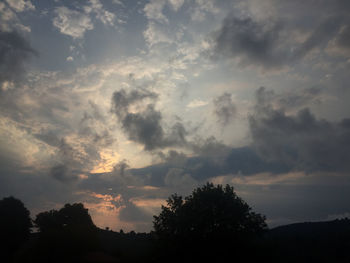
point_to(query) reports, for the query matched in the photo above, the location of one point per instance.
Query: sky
(120, 103)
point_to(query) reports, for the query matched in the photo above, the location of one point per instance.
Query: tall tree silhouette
(212, 217)
(15, 224)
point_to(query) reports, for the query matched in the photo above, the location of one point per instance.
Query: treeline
(212, 223)
(64, 235)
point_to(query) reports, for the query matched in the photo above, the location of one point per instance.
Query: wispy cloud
(197, 103)
(71, 22)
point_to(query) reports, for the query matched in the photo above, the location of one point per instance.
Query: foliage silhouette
(15, 224)
(69, 216)
(212, 217)
(66, 232)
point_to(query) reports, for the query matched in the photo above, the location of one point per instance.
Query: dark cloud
(319, 37)
(145, 125)
(341, 43)
(250, 41)
(122, 99)
(225, 110)
(120, 168)
(132, 213)
(49, 138)
(177, 178)
(210, 148)
(174, 157)
(267, 43)
(288, 100)
(62, 173)
(344, 37)
(299, 98)
(14, 51)
(69, 164)
(313, 197)
(300, 141)
(281, 143)
(234, 161)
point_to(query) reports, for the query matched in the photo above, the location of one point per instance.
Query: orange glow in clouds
(105, 209)
(108, 160)
(105, 212)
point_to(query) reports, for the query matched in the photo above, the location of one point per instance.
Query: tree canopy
(211, 218)
(68, 229)
(70, 216)
(15, 223)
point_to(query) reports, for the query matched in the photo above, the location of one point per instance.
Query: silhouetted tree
(70, 216)
(211, 217)
(69, 230)
(15, 224)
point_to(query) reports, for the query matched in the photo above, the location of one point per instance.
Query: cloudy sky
(120, 103)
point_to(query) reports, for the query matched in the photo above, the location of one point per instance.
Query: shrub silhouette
(212, 217)
(15, 224)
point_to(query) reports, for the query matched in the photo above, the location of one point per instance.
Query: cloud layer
(300, 140)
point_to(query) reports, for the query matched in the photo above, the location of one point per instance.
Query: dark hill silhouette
(310, 242)
(321, 229)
